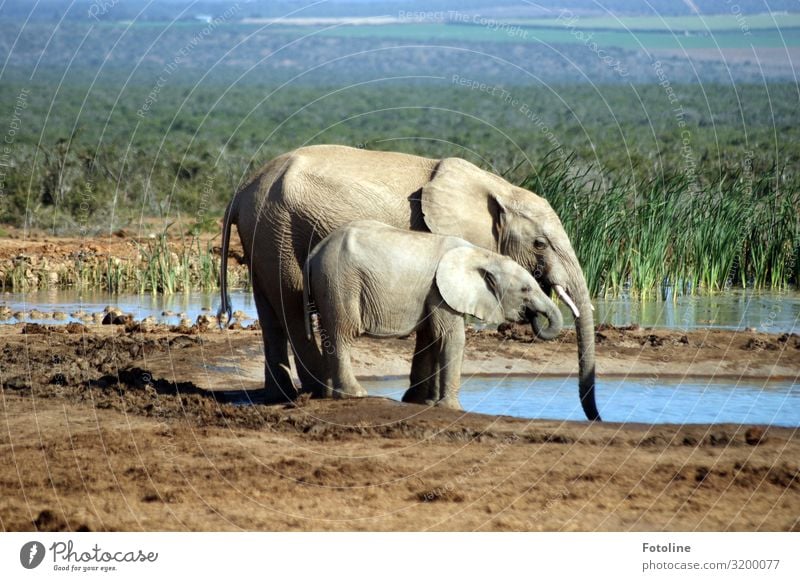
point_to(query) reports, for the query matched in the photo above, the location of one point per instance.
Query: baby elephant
(368, 278)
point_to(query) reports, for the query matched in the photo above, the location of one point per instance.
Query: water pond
(768, 312)
(687, 401)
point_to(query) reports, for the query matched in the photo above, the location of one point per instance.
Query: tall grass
(161, 266)
(668, 236)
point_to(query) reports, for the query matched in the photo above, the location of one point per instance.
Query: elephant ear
(466, 284)
(463, 200)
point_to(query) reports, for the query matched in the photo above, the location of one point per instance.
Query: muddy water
(686, 401)
(766, 312)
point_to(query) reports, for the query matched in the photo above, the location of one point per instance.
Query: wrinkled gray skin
(298, 198)
(368, 278)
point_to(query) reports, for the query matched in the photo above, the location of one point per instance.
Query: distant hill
(163, 10)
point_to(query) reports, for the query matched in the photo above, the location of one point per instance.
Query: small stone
(754, 436)
(109, 317)
(204, 322)
(75, 328)
(115, 317)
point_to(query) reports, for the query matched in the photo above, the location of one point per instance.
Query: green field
(106, 125)
(439, 33)
(678, 24)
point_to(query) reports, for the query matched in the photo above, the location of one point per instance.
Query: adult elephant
(298, 198)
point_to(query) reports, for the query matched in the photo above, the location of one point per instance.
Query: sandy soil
(122, 244)
(131, 428)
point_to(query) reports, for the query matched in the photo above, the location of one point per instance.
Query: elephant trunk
(584, 329)
(555, 322)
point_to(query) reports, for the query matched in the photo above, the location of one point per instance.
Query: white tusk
(562, 294)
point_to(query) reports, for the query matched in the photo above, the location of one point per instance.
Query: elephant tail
(231, 216)
(307, 304)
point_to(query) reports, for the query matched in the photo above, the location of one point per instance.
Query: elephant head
(463, 200)
(493, 288)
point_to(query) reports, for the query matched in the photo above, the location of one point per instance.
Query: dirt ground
(125, 427)
(122, 244)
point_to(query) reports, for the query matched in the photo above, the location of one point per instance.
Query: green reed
(670, 236)
(161, 265)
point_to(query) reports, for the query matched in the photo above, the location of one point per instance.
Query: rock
(60, 316)
(756, 344)
(16, 383)
(516, 331)
(34, 329)
(754, 436)
(109, 317)
(701, 474)
(48, 521)
(75, 328)
(204, 322)
(116, 317)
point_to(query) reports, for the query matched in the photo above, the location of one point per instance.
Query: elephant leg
(344, 380)
(277, 379)
(424, 369)
(310, 365)
(450, 358)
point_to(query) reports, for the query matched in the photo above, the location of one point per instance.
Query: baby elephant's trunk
(555, 322)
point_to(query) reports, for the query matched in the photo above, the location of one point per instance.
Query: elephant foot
(450, 403)
(350, 393)
(417, 394)
(318, 391)
(274, 394)
(278, 385)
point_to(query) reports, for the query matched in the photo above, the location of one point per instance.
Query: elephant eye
(539, 244)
